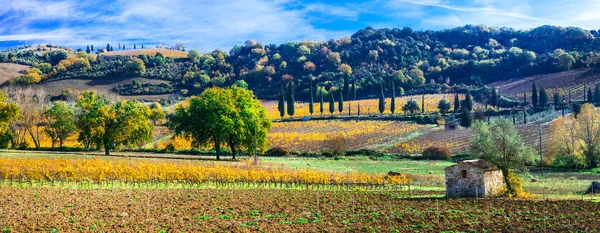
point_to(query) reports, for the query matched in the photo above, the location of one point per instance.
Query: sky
(206, 25)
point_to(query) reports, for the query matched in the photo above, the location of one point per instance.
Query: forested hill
(413, 60)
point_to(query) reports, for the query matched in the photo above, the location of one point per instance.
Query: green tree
(290, 99)
(411, 106)
(500, 144)
(281, 102)
(534, 95)
(61, 122)
(393, 103)
(557, 99)
(341, 102)
(543, 98)
(311, 107)
(597, 93)
(331, 103)
(466, 118)
(112, 124)
(9, 112)
(495, 98)
(423, 104)
(456, 103)
(56, 56)
(241, 84)
(136, 67)
(467, 102)
(381, 100)
(444, 106)
(590, 96)
(346, 71)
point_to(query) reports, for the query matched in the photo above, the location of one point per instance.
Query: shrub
(170, 148)
(278, 152)
(437, 152)
(337, 145)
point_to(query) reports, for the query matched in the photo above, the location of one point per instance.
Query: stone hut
(472, 178)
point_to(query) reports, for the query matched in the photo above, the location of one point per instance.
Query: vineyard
(315, 136)
(367, 107)
(152, 52)
(66, 172)
(458, 140)
(281, 210)
(562, 82)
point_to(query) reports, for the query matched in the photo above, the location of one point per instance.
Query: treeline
(99, 121)
(401, 59)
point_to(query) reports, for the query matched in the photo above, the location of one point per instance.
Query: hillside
(78, 85)
(414, 61)
(11, 70)
(563, 82)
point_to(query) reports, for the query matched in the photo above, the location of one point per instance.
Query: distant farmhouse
(473, 178)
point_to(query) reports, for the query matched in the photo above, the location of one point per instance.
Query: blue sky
(209, 24)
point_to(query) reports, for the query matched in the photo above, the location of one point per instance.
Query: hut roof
(479, 163)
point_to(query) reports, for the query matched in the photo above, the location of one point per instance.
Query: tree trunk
(106, 148)
(60, 142)
(232, 146)
(217, 148)
(509, 188)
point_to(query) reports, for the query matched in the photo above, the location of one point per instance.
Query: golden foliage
(105, 170)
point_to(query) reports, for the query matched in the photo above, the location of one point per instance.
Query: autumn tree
(135, 67)
(9, 112)
(578, 137)
(61, 122)
(500, 144)
(31, 103)
(156, 113)
(111, 124)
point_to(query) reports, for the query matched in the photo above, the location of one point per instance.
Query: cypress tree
(107, 47)
(524, 98)
(134, 46)
(597, 93)
(584, 93)
(354, 89)
(331, 103)
(495, 98)
(466, 119)
(281, 103)
(92, 48)
(346, 86)
(423, 104)
(543, 98)
(468, 102)
(534, 95)
(590, 97)
(311, 107)
(321, 103)
(456, 103)
(290, 99)
(123, 47)
(393, 103)
(88, 49)
(111, 48)
(381, 100)
(341, 102)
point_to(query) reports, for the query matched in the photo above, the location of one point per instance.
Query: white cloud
(204, 25)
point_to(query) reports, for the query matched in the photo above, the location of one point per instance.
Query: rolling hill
(11, 70)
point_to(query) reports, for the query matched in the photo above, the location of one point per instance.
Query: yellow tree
(580, 137)
(9, 112)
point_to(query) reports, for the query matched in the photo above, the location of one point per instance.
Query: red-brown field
(276, 210)
(137, 52)
(573, 80)
(104, 86)
(10, 70)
